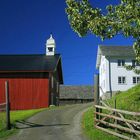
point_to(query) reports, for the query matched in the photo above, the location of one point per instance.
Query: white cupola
(50, 46)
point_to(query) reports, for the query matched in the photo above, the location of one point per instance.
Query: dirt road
(62, 123)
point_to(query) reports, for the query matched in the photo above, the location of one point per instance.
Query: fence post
(8, 127)
(96, 93)
(115, 106)
(96, 89)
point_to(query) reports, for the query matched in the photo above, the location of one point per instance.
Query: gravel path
(62, 123)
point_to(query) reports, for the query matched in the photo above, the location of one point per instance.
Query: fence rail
(2, 106)
(115, 121)
(118, 124)
(118, 110)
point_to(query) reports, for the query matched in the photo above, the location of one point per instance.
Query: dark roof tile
(76, 92)
(117, 50)
(28, 62)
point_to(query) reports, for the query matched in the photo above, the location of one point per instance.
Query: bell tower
(50, 46)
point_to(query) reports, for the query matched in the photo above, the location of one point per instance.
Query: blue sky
(26, 24)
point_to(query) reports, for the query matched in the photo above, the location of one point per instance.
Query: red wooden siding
(26, 93)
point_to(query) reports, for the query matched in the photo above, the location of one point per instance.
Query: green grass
(15, 116)
(128, 100)
(90, 131)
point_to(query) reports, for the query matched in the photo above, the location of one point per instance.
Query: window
(136, 80)
(121, 62)
(50, 49)
(135, 63)
(121, 80)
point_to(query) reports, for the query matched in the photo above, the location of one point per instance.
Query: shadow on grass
(26, 125)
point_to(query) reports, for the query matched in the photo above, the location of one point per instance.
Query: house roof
(30, 63)
(114, 51)
(76, 92)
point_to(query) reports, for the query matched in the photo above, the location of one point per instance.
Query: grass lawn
(128, 100)
(91, 132)
(15, 115)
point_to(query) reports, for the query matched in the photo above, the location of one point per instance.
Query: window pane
(119, 62)
(119, 80)
(138, 79)
(133, 63)
(123, 62)
(134, 80)
(123, 80)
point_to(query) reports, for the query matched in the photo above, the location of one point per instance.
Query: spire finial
(51, 35)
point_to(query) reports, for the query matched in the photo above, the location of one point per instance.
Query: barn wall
(26, 92)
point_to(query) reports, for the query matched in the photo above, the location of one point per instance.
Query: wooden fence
(121, 123)
(2, 107)
(117, 122)
(6, 106)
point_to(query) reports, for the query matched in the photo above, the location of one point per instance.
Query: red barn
(33, 79)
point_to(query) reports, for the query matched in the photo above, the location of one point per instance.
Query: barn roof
(30, 63)
(114, 51)
(76, 92)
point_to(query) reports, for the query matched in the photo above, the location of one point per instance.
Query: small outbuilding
(33, 79)
(75, 94)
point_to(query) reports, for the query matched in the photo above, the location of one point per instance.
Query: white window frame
(121, 63)
(135, 63)
(137, 79)
(122, 81)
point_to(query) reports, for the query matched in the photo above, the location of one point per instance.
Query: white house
(113, 77)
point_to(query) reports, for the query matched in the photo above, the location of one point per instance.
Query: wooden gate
(121, 123)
